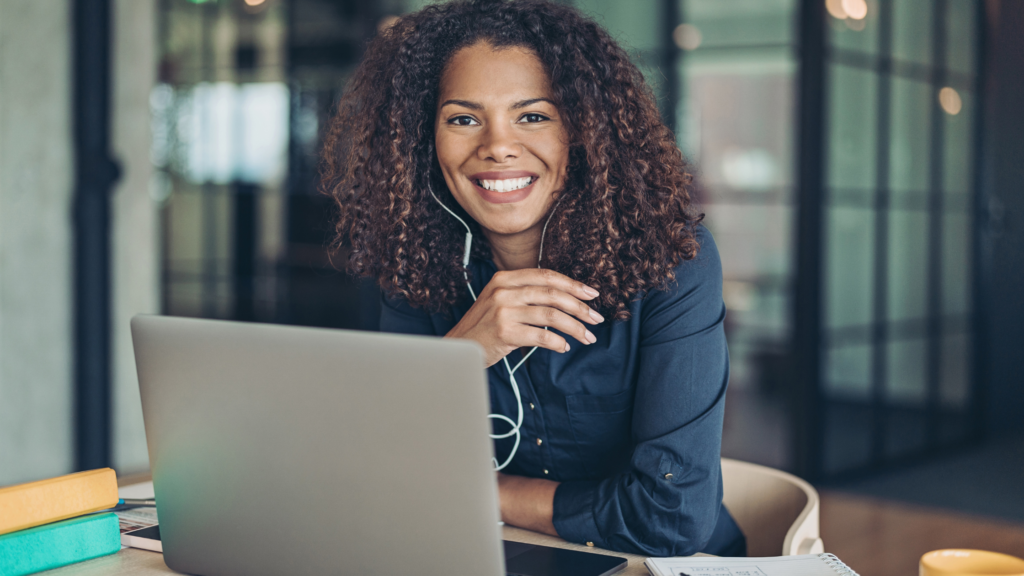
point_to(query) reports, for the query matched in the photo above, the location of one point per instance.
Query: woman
(501, 169)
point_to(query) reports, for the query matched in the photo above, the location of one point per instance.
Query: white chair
(777, 512)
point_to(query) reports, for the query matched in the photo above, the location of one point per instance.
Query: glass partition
(897, 368)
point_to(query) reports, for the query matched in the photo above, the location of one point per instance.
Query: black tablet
(533, 560)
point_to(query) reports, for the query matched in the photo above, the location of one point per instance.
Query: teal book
(57, 544)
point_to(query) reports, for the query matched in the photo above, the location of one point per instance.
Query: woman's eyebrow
(463, 103)
(475, 106)
(530, 102)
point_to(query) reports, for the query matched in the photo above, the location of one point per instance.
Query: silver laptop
(284, 450)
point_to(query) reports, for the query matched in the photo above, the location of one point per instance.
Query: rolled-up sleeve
(667, 501)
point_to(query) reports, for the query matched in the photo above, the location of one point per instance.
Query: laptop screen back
(286, 450)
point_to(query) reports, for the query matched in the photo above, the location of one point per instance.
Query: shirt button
(531, 406)
(539, 441)
(668, 476)
(591, 544)
(545, 470)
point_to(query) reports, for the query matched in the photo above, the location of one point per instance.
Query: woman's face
(500, 140)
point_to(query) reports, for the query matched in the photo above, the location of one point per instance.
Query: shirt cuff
(574, 512)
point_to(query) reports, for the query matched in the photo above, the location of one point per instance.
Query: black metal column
(245, 252)
(671, 17)
(985, 226)
(209, 224)
(880, 329)
(936, 213)
(807, 322)
(1001, 225)
(96, 173)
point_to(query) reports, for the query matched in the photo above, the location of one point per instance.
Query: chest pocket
(601, 426)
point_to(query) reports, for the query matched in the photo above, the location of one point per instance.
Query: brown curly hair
(624, 219)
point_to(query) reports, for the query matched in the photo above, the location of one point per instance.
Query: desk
(135, 562)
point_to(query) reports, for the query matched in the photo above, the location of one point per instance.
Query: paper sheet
(805, 565)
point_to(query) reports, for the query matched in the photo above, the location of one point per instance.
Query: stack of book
(51, 523)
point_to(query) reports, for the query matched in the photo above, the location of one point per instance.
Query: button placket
(538, 425)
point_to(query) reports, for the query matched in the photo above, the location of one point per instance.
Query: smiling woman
(501, 170)
(625, 219)
(501, 143)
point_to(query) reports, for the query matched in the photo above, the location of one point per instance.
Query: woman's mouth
(504, 187)
(508, 185)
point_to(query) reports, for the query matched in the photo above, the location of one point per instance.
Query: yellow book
(36, 503)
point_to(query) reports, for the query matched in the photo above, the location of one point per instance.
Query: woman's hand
(513, 308)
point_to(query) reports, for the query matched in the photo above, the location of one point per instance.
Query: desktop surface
(134, 562)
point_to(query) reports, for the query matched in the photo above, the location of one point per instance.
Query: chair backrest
(777, 512)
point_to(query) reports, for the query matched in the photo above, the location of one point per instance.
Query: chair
(778, 512)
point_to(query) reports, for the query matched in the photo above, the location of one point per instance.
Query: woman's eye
(531, 118)
(462, 121)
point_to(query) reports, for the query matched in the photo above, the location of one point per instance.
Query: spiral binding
(837, 565)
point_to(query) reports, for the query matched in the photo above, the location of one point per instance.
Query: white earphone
(517, 424)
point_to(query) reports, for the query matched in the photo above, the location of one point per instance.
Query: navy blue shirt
(630, 425)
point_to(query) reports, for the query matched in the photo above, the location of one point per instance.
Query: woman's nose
(499, 144)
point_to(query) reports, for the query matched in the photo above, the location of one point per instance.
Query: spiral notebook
(806, 565)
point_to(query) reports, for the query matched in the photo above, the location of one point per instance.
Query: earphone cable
(518, 423)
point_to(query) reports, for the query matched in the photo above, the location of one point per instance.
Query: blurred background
(860, 164)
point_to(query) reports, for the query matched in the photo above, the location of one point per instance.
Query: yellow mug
(970, 563)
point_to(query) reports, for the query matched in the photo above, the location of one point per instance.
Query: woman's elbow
(694, 534)
(676, 532)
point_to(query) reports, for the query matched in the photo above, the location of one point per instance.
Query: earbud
(517, 424)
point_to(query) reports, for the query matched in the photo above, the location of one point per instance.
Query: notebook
(806, 565)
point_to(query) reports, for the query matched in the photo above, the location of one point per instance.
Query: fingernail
(597, 317)
(590, 291)
(566, 347)
(590, 337)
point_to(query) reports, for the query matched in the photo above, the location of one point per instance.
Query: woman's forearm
(528, 502)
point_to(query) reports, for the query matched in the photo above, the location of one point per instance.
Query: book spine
(59, 544)
(36, 503)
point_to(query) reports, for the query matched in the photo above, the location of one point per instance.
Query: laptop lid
(287, 450)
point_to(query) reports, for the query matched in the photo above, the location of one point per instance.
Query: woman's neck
(515, 251)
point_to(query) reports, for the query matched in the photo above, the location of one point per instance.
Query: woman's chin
(509, 219)
(508, 228)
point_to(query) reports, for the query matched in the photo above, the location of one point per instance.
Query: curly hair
(625, 217)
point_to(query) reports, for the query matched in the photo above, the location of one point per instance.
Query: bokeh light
(835, 8)
(856, 9)
(687, 36)
(950, 101)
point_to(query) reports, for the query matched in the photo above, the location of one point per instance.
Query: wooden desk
(132, 561)
(135, 562)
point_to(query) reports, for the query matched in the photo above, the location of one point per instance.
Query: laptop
(288, 450)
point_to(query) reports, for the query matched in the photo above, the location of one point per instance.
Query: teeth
(506, 185)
